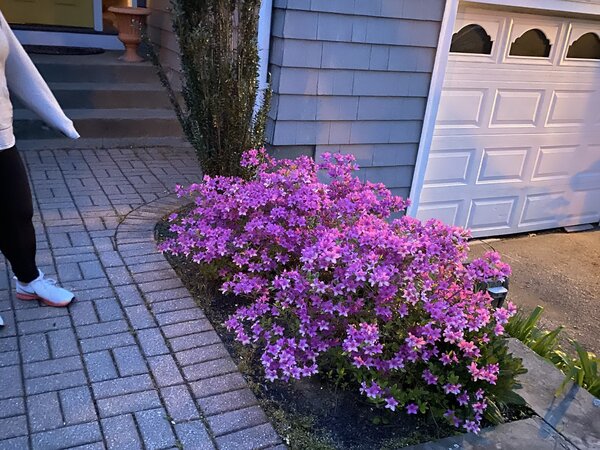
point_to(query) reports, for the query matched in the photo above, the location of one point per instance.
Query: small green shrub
(582, 369)
(524, 328)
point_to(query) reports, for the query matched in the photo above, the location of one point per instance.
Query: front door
(68, 13)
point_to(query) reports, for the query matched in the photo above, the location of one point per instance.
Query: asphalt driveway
(559, 271)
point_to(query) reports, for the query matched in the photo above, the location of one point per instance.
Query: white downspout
(264, 44)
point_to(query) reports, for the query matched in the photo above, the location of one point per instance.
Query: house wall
(161, 32)
(353, 76)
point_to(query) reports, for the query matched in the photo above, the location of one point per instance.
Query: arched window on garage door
(586, 47)
(471, 39)
(533, 43)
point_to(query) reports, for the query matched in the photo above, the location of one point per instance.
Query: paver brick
(209, 369)
(106, 342)
(102, 329)
(9, 358)
(39, 313)
(83, 313)
(8, 344)
(152, 342)
(92, 269)
(44, 411)
(179, 403)
(153, 286)
(250, 438)
(140, 317)
(173, 305)
(17, 443)
(167, 294)
(110, 258)
(128, 403)
(119, 275)
(12, 427)
(52, 366)
(77, 405)
(40, 326)
(122, 386)
(129, 361)
(63, 343)
(69, 272)
(155, 429)
(227, 401)
(236, 420)
(100, 366)
(193, 435)
(201, 354)
(129, 295)
(181, 329)
(184, 315)
(165, 371)
(66, 437)
(121, 433)
(11, 407)
(194, 340)
(55, 382)
(218, 385)
(108, 309)
(11, 382)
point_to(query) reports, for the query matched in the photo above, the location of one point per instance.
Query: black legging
(17, 235)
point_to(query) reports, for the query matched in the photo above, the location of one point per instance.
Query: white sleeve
(27, 84)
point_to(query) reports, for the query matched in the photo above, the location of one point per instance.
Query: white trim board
(433, 103)
(32, 37)
(441, 62)
(569, 6)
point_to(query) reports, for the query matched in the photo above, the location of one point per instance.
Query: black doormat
(52, 50)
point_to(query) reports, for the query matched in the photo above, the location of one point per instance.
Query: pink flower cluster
(328, 273)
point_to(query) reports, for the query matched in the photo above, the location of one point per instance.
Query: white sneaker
(45, 290)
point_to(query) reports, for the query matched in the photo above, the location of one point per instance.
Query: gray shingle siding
(353, 76)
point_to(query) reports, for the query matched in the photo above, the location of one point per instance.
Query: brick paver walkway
(133, 363)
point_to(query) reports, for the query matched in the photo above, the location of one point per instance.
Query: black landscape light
(498, 294)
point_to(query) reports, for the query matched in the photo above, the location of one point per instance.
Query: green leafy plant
(545, 343)
(219, 61)
(583, 370)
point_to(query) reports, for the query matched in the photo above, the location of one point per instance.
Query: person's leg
(17, 234)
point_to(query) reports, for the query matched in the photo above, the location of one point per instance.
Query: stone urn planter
(129, 22)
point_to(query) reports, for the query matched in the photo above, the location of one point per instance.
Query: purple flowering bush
(334, 284)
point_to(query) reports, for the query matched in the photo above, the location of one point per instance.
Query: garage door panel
(562, 208)
(448, 212)
(572, 108)
(554, 163)
(449, 167)
(491, 214)
(462, 108)
(517, 107)
(502, 165)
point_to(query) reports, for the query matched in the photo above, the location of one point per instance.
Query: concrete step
(104, 68)
(108, 95)
(103, 123)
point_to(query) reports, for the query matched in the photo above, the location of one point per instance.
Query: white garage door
(516, 145)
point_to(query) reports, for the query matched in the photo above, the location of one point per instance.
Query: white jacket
(18, 74)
